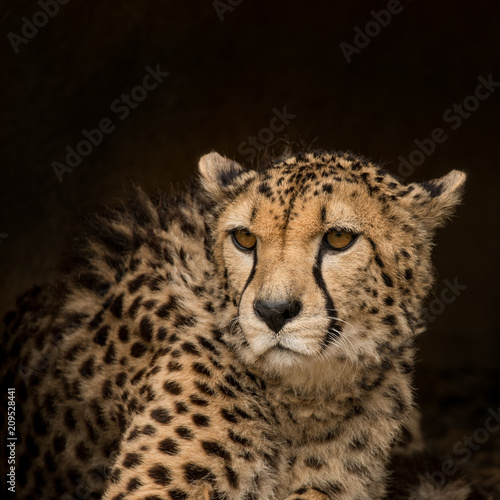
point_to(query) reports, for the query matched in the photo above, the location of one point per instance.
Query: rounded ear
(434, 201)
(217, 173)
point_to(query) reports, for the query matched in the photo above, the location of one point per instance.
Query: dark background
(226, 77)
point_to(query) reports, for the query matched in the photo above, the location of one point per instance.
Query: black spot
(161, 415)
(379, 262)
(387, 280)
(230, 417)
(134, 484)
(172, 388)
(116, 307)
(138, 376)
(96, 320)
(87, 368)
(215, 449)
(121, 378)
(232, 477)
(146, 329)
(205, 388)
(165, 309)
(181, 320)
(190, 348)
(73, 351)
(107, 391)
(327, 188)
(185, 433)
(232, 381)
(132, 460)
(174, 366)
(202, 369)
(178, 495)
(181, 408)
(148, 430)
(168, 446)
(239, 439)
(136, 283)
(389, 301)
(193, 473)
(101, 336)
(198, 401)
(226, 390)
(201, 420)
(161, 334)
(160, 475)
(110, 356)
(408, 274)
(123, 334)
(134, 434)
(390, 319)
(138, 349)
(134, 307)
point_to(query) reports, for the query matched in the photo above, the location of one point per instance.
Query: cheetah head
(322, 257)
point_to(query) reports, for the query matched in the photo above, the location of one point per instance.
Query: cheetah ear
(218, 174)
(434, 201)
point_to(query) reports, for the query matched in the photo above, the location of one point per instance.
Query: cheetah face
(323, 256)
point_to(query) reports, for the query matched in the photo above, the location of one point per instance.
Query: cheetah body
(146, 374)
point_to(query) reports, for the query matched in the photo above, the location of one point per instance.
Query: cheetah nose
(276, 314)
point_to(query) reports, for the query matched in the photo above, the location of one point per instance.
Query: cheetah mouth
(283, 346)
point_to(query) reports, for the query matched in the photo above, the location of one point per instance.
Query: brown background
(225, 79)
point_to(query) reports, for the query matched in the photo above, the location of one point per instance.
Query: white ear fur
(434, 201)
(217, 173)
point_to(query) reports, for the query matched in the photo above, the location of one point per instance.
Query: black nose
(276, 314)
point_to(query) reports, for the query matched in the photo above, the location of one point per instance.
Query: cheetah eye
(338, 239)
(244, 239)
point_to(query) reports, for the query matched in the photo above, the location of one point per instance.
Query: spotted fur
(145, 372)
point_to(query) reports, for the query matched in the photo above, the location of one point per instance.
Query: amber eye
(339, 240)
(244, 239)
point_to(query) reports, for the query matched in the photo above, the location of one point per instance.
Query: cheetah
(251, 338)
